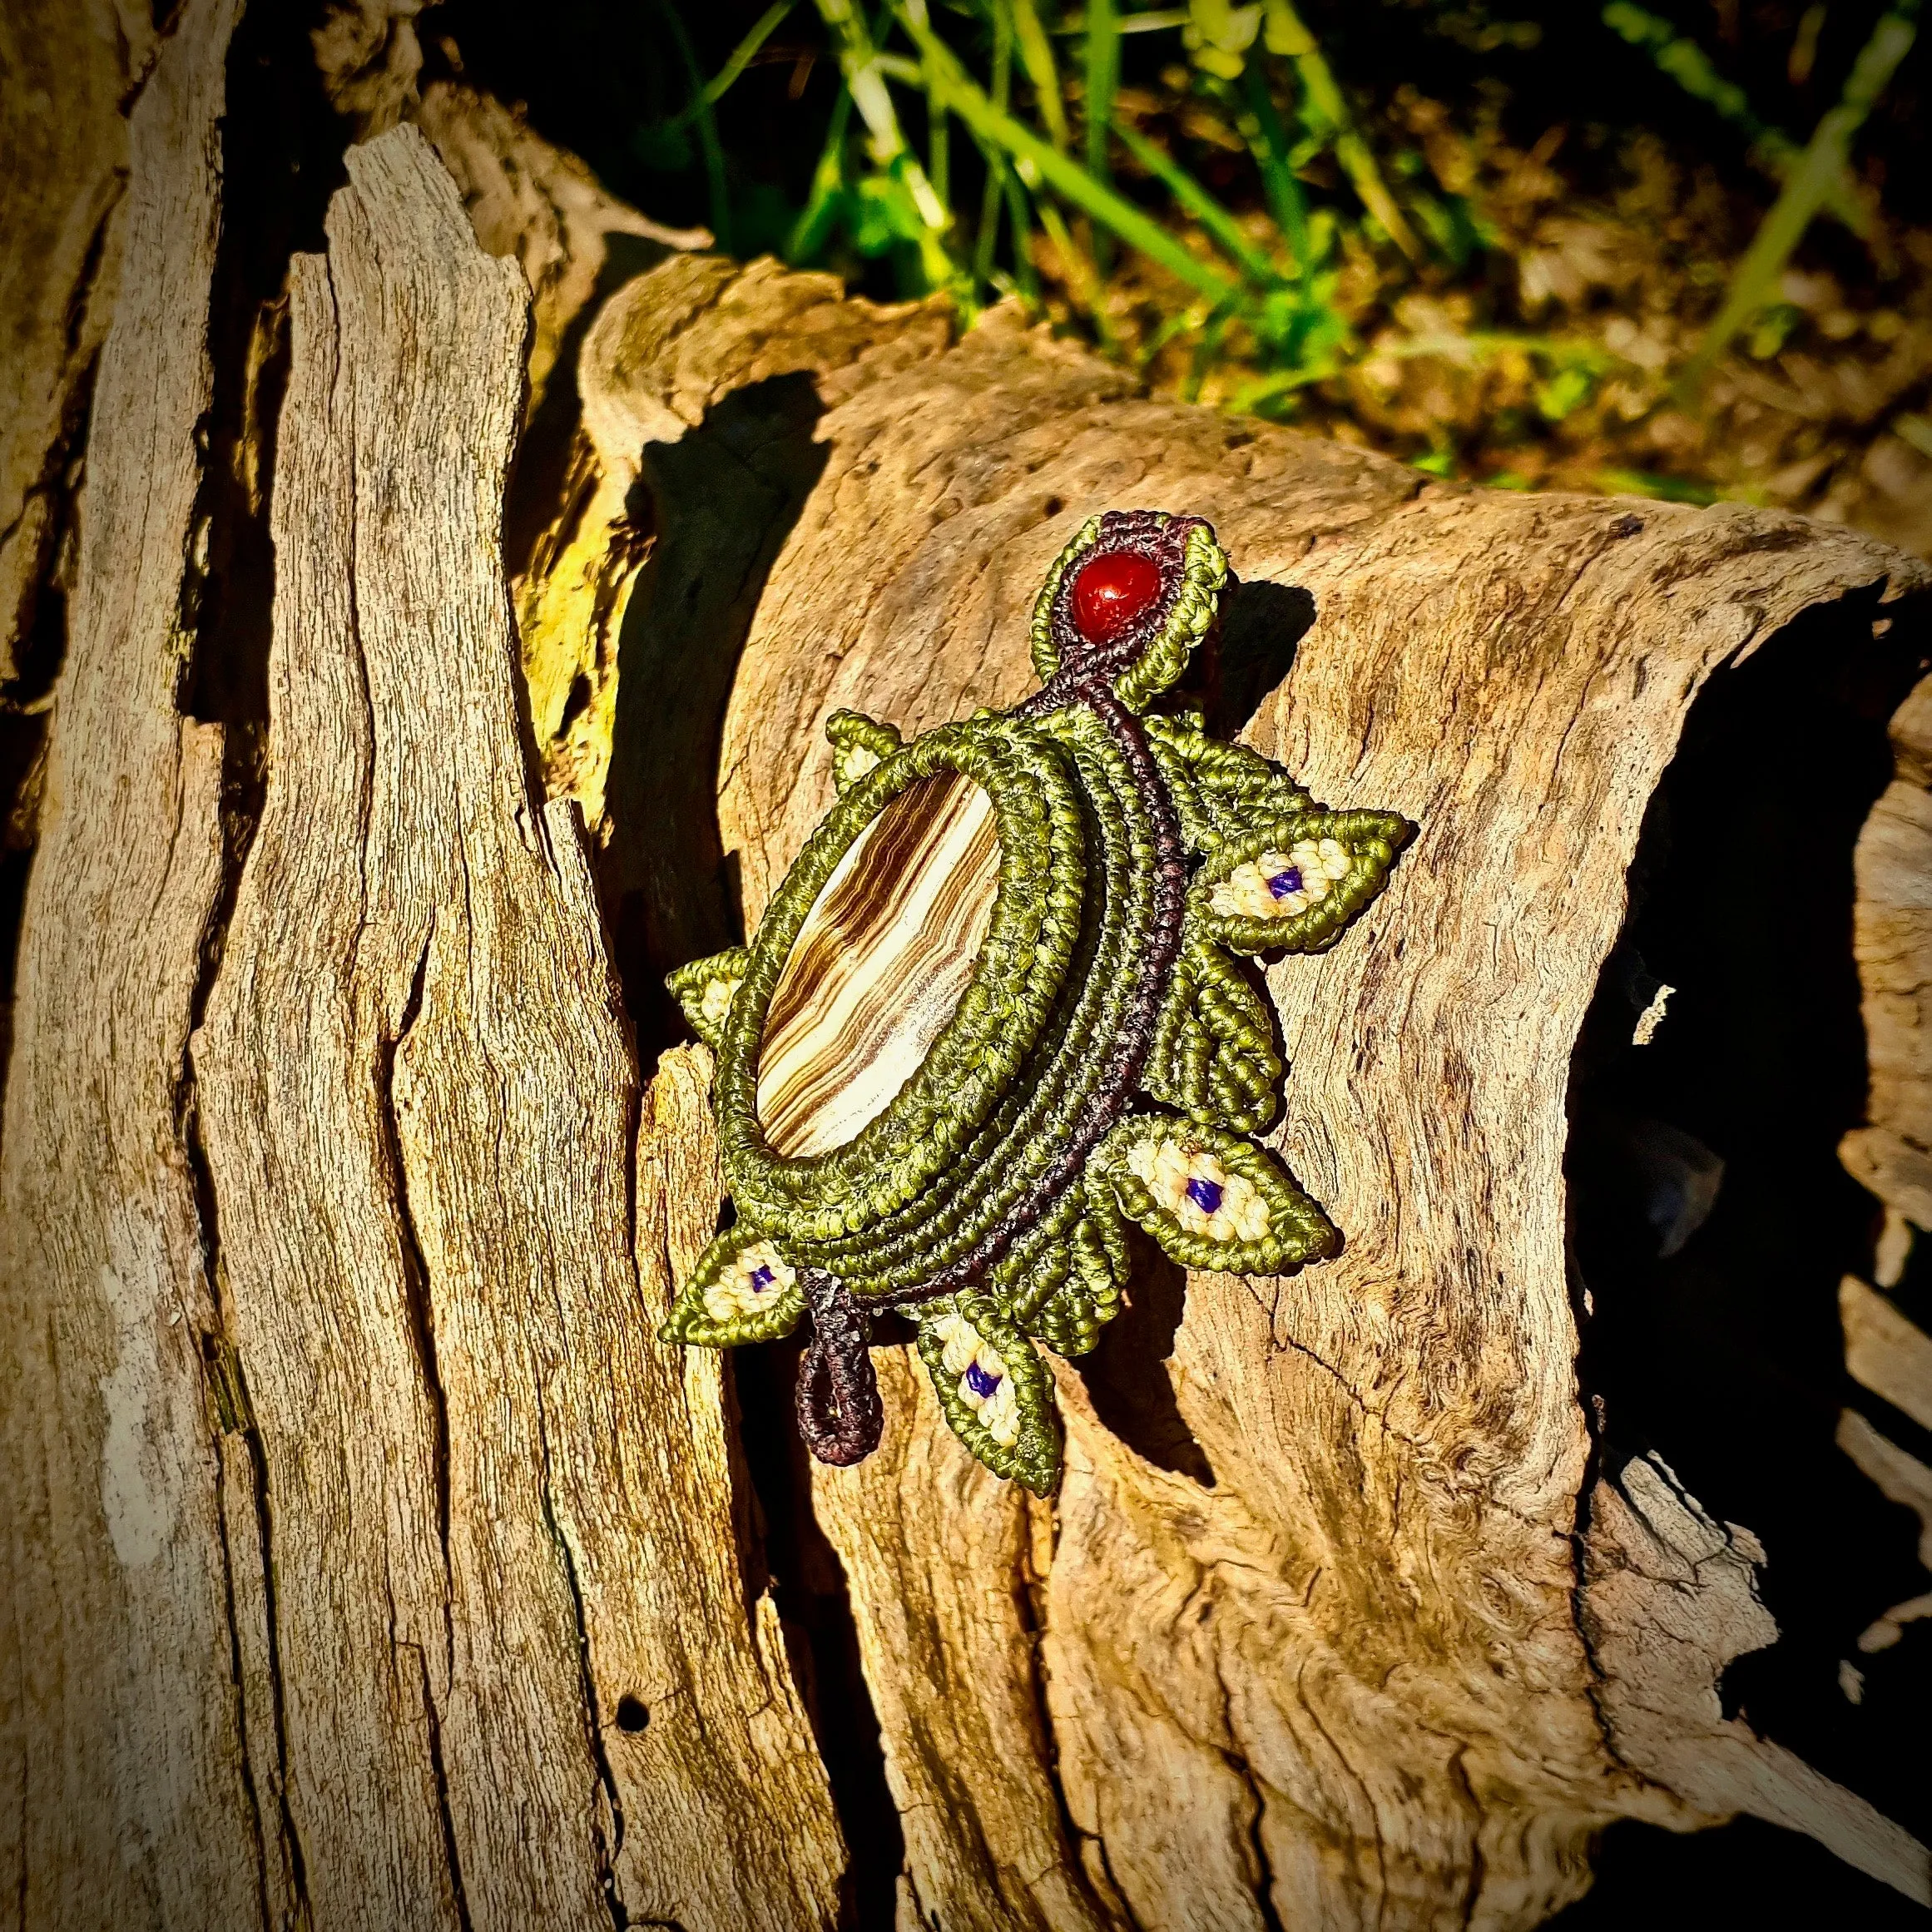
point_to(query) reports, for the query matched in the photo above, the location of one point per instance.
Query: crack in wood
(416, 1278)
(607, 1852)
(451, 1856)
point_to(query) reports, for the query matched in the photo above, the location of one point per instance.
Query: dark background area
(603, 76)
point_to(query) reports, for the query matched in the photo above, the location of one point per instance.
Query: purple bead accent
(761, 1279)
(980, 1382)
(1284, 883)
(1206, 1194)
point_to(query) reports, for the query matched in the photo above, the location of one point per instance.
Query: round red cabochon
(1111, 592)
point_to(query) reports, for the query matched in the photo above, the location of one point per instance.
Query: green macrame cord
(1109, 1059)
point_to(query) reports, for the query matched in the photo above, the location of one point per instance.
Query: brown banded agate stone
(879, 965)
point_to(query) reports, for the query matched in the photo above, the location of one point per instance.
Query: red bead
(1112, 592)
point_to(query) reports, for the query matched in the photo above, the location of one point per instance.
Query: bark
(370, 1562)
(69, 69)
(1353, 1681)
(396, 1163)
(136, 1797)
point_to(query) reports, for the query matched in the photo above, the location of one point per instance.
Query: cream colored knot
(1277, 885)
(717, 1002)
(749, 1283)
(851, 763)
(984, 1385)
(1194, 1187)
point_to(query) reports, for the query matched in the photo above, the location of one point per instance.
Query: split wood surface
(372, 1564)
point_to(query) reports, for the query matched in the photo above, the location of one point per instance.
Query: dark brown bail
(839, 1414)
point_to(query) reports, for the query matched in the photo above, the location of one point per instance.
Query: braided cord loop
(839, 1411)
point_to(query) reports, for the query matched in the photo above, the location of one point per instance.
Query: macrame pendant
(993, 1015)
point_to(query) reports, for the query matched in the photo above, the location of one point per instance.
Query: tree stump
(372, 1563)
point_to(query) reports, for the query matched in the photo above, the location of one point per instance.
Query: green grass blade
(1084, 279)
(1328, 112)
(1036, 53)
(1198, 202)
(814, 226)
(1822, 162)
(1059, 170)
(1020, 220)
(1207, 353)
(720, 85)
(1270, 148)
(1680, 59)
(1103, 60)
(1102, 82)
(1358, 163)
(865, 76)
(986, 235)
(708, 142)
(939, 150)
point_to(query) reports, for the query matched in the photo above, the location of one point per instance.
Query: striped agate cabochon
(887, 951)
(996, 1012)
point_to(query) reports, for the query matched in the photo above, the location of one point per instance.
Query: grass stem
(715, 90)
(1822, 163)
(1059, 170)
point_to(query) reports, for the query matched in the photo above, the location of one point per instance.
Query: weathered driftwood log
(119, 1651)
(1355, 1679)
(372, 1563)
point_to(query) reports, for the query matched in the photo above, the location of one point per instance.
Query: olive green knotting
(859, 745)
(1205, 570)
(1214, 1055)
(974, 1173)
(1297, 1232)
(1164, 658)
(1371, 840)
(1034, 1458)
(1220, 790)
(705, 990)
(689, 1320)
(1029, 943)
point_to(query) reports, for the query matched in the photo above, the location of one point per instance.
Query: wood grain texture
(1902, 1479)
(879, 967)
(1892, 941)
(1669, 1597)
(1392, 1715)
(70, 71)
(656, 356)
(947, 1635)
(121, 1719)
(1887, 1353)
(500, 1507)
(540, 205)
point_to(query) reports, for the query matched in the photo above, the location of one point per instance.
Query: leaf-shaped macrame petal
(1292, 885)
(742, 1290)
(992, 1388)
(1069, 1321)
(1212, 1199)
(1062, 1284)
(859, 744)
(1214, 1056)
(706, 990)
(1221, 790)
